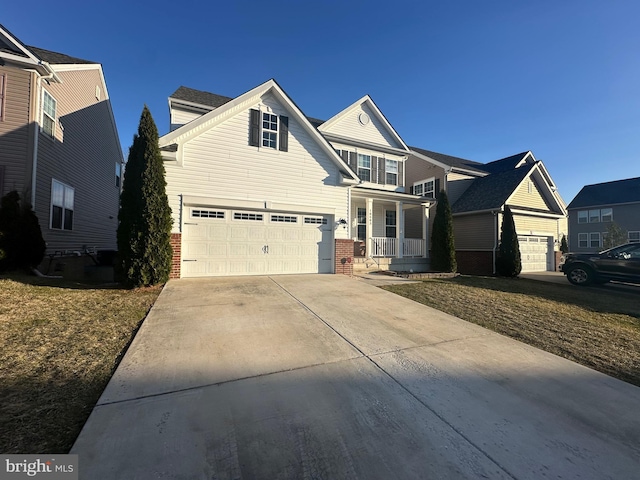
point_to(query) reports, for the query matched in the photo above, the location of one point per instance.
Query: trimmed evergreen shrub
(144, 220)
(443, 250)
(508, 261)
(21, 242)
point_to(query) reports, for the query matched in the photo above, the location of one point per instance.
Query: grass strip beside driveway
(59, 345)
(595, 327)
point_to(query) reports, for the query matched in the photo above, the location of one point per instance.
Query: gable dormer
(368, 143)
(187, 104)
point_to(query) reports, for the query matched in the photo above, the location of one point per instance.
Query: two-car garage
(228, 241)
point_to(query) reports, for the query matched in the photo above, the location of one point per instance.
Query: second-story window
(49, 106)
(269, 130)
(391, 169)
(364, 167)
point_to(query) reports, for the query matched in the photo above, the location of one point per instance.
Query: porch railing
(388, 247)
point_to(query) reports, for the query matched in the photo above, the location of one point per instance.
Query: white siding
(374, 132)
(181, 117)
(219, 163)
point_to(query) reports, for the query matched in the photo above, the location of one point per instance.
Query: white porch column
(399, 230)
(369, 227)
(425, 229)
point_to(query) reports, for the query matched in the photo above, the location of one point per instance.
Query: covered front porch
(389, 225)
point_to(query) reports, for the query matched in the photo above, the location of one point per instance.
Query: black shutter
(436, 192)
(284, 134)
(353, 161)
(374, 169)
(254, 128)
(381, 171)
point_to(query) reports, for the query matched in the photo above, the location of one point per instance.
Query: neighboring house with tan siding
(478, 194)
(596, 207)
(59, 145)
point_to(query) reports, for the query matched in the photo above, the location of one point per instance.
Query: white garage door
(534, 253)
(218, 242)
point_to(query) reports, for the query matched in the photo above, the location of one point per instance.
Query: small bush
(21, 242)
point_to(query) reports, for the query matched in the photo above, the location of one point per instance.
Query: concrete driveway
(325, 376)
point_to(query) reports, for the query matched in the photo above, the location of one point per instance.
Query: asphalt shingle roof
(492, 191)
(198, 96)
(504, 164)
(608, 193)
(449, 160)
(55, 57)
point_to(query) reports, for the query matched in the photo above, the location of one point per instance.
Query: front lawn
(597, 327)
(59, 345)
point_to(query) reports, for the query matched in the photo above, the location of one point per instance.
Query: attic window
(269, 130)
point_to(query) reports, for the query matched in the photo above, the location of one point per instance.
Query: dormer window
(269, 130)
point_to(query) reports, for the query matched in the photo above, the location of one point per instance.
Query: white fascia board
(176, 102)
(244, 101)
(365, 100)
(523, 161)
(332, 137)
(390, 196)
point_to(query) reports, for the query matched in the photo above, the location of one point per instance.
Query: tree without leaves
(443, 250)
(144, 228)
(508, 262)
(615, 236)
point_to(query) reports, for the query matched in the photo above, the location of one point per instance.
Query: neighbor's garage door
(218, 242)
(535, 253)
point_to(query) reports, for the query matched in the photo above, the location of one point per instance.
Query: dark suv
(620, 263)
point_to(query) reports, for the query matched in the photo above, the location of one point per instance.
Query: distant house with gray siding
(597, 206)
(59, 146)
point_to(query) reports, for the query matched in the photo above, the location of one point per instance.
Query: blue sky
(477, 80)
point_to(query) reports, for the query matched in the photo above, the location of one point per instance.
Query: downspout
(50, 76)
(495, 239)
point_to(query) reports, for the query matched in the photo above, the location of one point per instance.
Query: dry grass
(597, 327)
(59, 345)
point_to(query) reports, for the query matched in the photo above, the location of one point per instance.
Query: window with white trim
(284, 218)
(62, 200)
(269, 130)
(207, 214)
(315, 220)
(362, 224)
(594, 216)
(633, 237)
(391, 170)
(583, 216)
(594, 240)
(583, 240)
(49, 106)
(364, 167)
(390, 223)
(606, 214)
(425, 188)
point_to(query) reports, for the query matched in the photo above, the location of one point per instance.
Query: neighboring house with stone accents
(59, 147)
(478, 194)
(256, 187)
(596, 207)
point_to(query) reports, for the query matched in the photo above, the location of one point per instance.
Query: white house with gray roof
(256, 187)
